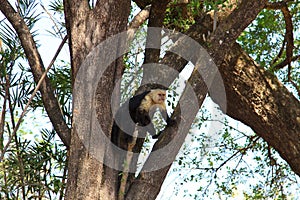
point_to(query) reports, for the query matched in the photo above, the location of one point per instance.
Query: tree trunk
(253, 97)
(88, 178)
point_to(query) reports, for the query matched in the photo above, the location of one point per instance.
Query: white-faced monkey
(141, 109)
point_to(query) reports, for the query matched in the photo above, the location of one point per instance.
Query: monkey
(143, 106)
(141, 109)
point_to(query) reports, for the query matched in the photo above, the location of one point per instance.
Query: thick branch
(139, 19)
(277, 5)
(75, 11)
(37, 68)
(288, 36)
(256, 98)
(147, 180)
(156, 18)
(230, 28)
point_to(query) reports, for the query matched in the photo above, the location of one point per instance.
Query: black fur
(140, 117)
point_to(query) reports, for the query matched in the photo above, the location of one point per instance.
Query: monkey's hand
(171, 122)
(157, 135)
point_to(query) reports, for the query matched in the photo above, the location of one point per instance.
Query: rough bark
(88, 178)
(156, 19)
(256, 98)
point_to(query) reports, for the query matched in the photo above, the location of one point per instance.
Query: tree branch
(256, 98)
(37, 68)
(269, 109)
(285, 63)
(137, 21)
(39, 84)
(3, 112)
(156, 18)
(232, 26)
(289, 37)
(268, 116)
(277, 5)
(279, 54)
(140, 18)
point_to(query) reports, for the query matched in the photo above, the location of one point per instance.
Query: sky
(47, 49)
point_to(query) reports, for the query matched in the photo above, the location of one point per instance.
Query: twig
(127, 163)
(280, 52)
(285, 63)
(52, 19)
(31, 98)
(242, 151)
(295, 86)
(2, 119)
(21, 164)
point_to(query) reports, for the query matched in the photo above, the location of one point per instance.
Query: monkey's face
(159, 97)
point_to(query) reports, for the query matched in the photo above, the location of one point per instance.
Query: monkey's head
(158, 96)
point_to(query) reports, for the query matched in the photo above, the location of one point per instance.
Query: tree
(254, 95)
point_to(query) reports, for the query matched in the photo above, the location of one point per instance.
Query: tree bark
(254, 97)
(88, 178)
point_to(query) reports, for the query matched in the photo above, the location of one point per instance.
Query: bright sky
(48, 47)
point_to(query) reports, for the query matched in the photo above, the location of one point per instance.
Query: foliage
(231, 164)
(35, 170)
(217, 165)
(34, 165)
(60, 77)
(56, 14)
(265, 41)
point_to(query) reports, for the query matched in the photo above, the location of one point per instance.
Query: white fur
(153, 99)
